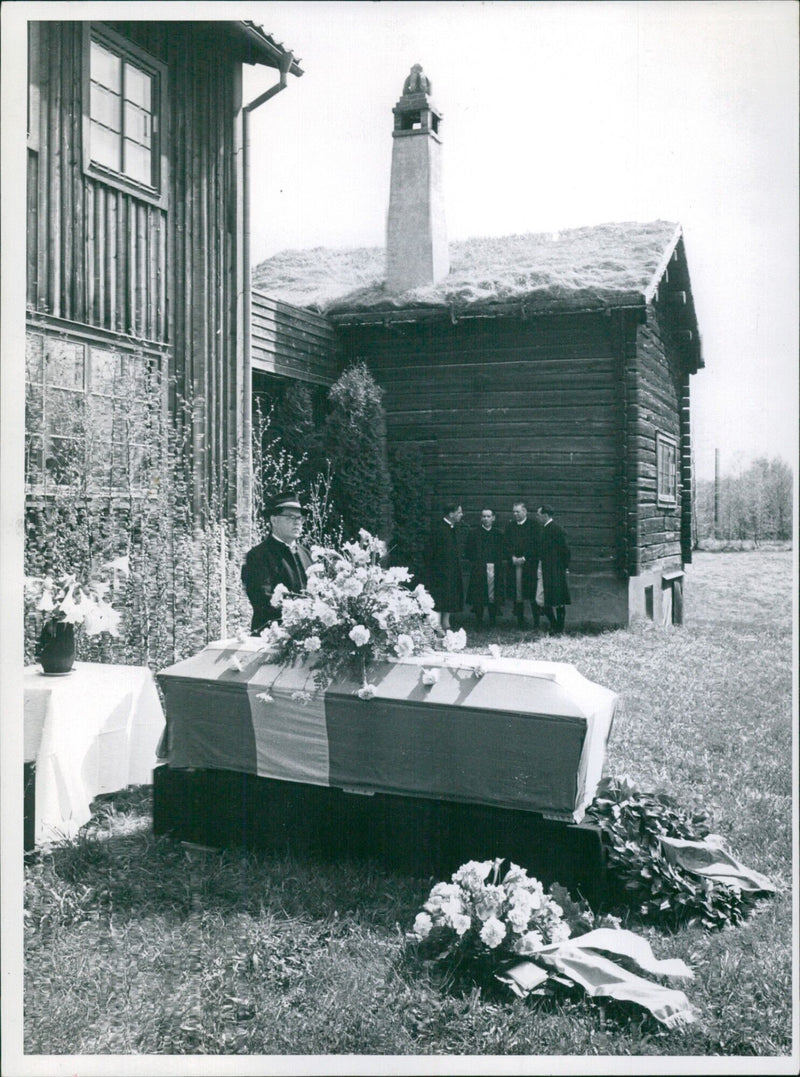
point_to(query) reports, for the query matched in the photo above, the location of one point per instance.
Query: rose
(493, 932)
(366, 691)
(312, 643)
(404, 646)
(455, 641)
(422, 925)
(360, 635)
(278, 595)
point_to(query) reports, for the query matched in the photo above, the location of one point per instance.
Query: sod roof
(607, 265)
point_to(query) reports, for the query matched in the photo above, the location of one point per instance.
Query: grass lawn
(140, 945)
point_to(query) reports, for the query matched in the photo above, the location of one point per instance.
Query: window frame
(148, 362)
(156, 193)
(665, 441)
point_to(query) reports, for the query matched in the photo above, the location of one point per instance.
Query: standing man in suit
(443, 564)
(522, 558)
(485, 554)
(555, 558)
(280, 558)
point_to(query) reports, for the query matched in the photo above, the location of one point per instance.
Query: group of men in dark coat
(528, 562)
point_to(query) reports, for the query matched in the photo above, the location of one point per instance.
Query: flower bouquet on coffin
(508, 928)
(353, 613)
(68, 603)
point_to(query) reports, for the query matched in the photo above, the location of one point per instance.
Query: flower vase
(57, 647)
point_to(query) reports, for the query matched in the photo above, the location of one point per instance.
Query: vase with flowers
(68, 603)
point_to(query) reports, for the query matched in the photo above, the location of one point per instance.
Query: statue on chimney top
(417, 81)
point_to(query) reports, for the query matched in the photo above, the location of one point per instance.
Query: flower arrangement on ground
(352, 613)
(505, 928)
(480, 915)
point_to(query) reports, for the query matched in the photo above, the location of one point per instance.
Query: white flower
(494, 650)
(473, 874)
(422, 925)
(479, 671)
(45, 603)
(530, 943)
(460, 924)
(352, 587)
(102, 618)
(430, 676)
(518, 916)
(455, 641)
(360, 635)
(397, 574)
(404, 646)
(265, 697)
(493, 932)
(424, 600)
(312, 643)
(278, 595)
(235, 664)
(366, 691)
(301, 697)
(488, 902)
(325, 614)
(273, 633)
(73, 609)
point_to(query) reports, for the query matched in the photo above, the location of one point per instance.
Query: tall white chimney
(416, 236)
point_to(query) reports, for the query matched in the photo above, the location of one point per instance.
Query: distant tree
(754, 504)
(354, 439)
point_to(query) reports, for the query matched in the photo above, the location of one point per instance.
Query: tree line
(754, 504)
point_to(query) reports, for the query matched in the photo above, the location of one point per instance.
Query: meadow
(138, 944)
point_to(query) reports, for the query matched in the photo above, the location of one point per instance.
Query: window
(122, 130)
(666, 470)
(91, 415)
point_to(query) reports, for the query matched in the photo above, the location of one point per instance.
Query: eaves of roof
(261, 48)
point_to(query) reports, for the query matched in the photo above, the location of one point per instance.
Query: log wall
(657, 387)
(292, 342)
(507, 409)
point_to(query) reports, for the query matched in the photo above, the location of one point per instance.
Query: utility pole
(716, 493)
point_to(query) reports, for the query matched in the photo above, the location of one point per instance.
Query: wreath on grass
(666, 862)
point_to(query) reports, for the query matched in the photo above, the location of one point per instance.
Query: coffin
(502, 732)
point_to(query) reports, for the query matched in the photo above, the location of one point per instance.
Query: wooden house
(137, 237)
(552, 368)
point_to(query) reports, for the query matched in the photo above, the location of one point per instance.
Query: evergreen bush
(355, 445)
(409, 504)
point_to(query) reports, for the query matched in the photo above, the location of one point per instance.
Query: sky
(560, 115)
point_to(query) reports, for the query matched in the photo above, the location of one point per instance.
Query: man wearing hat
(280, 558)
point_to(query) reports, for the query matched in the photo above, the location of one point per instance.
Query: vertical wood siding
(105, 258)
(505, 409)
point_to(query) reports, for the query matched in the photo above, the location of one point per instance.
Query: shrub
(409, 506)
(355, 444)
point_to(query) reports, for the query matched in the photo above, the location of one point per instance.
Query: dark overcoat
(522, 540)
(265, 566)
(555, 558)
(485, 548)
(443, 568)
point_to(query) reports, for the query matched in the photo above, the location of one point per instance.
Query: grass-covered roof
(602, 266)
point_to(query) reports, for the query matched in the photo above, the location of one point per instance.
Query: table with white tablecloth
(95, 730)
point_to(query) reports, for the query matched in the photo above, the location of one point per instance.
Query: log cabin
(552, 368)
(137, 239)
